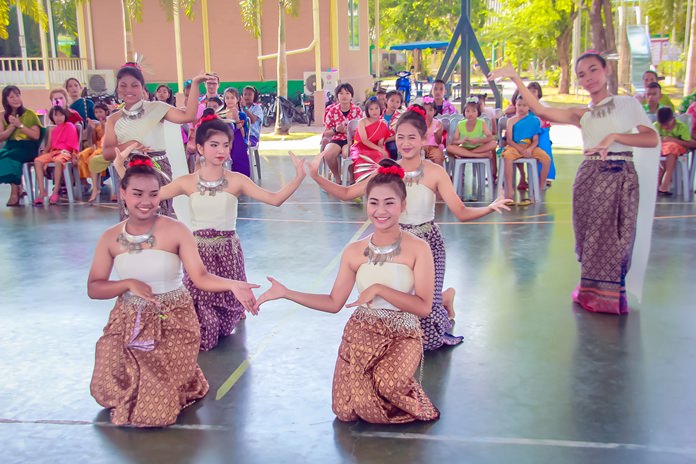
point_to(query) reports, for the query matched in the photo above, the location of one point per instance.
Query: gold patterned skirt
(374, 379)
(146, 369)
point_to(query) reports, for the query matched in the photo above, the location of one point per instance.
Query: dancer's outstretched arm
(557, 115)
(249, 188)
(339, 191)
(464, 213)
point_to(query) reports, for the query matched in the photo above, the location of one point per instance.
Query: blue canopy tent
(419, 45)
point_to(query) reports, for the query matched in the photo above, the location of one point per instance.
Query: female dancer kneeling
(213, 193)
(146, 367)
(381, 347)
(424, 180)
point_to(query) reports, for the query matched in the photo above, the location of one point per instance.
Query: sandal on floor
(525, 202)
(53, 199)
(38, 202)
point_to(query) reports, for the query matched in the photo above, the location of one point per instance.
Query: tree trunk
(603, 38)
(563, 44)
(611, 46)
(128, 32)
(282, 67)
(690, 77)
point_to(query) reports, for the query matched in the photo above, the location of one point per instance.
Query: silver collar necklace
(134, 243)
(380, 255)
(213, 186)
(136, 112)
(414, 177)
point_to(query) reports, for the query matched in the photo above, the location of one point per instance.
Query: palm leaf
(251, 11)
(31, 8)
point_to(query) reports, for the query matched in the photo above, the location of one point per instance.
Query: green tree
(251, 12)
(536, 28)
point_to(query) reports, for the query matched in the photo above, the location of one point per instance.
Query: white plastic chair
(532, 177)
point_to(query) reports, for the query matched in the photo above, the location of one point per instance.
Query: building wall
(233, 50)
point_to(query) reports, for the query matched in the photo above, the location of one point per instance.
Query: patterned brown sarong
(605, 212)
(146, 368)
(374, 376)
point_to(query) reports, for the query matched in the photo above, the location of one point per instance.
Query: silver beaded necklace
(136, 112)
(379, 255)
(212, 186)
(414, 177)
(134, 243)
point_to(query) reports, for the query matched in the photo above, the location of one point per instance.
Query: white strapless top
(217, 212)
(393, 275)
(420, 205)
(160, 269)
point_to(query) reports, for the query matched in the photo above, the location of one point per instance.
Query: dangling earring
(125, 209)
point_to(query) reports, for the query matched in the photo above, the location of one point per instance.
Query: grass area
(271, 137)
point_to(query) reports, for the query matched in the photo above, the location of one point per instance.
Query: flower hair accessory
(141, 162)
(417, 110)
(206, 118)
(428, 100)
(392, 170)
(472, 99)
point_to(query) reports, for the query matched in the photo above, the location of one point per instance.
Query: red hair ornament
(141, 162)
(392, 171)
(417, 109)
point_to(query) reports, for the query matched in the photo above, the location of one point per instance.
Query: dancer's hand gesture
(276, 291)
(299, 164)
(123, 155)
(365, 297)
(500, 203)
(242, 291)
(501, 73)
(202, 77)
(602, 148)
(143, 290)
(314, 165)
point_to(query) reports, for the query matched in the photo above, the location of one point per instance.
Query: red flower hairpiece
(206, 118)
(141, 162)
(132, 64)
(392, 170)
(417, 109)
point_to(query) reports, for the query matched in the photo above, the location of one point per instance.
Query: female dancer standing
(424, 180)
(213, 193)
(146, 367)
(381, 346)
(142, 122)
(607, 218)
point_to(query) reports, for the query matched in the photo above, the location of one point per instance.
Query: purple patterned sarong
(437, 325)
(218, 313)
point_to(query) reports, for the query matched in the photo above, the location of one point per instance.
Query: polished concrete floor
(536, 380)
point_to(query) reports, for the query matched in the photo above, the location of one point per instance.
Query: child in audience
(239, 123)
(391, 116)
(59, 97)
(369, 140)
(523, 131)
(86, 159)
(653, 98)
(336, 120)
(433, 137)
(62, 143)
(164, 94)
(676, 141)
(544, 137)
(442, 106)
(254, 112)
(472, 137)
(381, 95)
